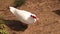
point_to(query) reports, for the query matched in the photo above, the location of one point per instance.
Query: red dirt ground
(48, 12)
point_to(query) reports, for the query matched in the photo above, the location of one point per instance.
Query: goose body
(24, 16)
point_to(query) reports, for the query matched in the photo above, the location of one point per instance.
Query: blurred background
(48, 12)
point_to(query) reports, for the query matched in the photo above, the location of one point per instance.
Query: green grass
(1, 26)
(18, 3)
(3, 32)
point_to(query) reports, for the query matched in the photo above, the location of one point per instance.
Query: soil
(48, 12)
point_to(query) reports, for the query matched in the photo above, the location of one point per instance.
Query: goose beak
(37, 18)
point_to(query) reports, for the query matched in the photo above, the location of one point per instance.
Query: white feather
(22, 15)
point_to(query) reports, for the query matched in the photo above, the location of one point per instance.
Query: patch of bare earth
(48, 12)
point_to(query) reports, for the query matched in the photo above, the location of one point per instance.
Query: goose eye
(33, 16)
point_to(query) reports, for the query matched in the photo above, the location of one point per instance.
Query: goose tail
(12, 9)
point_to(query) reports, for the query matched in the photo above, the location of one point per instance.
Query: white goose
(24, 16)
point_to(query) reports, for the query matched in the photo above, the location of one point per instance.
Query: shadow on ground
(15, 25)
(57, 12)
